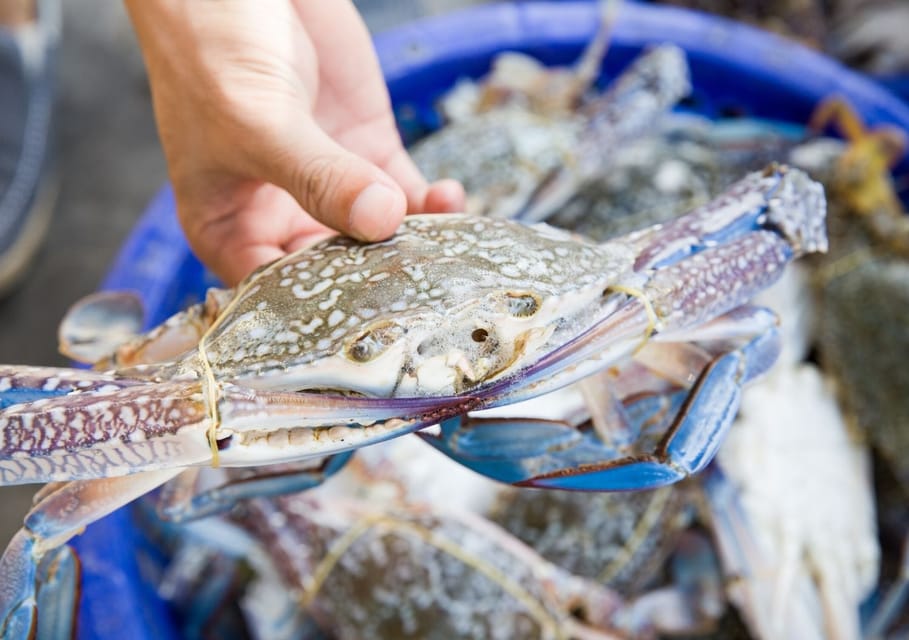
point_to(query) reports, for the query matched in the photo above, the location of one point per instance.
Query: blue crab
(344, 344)
(525, 164)
(422, 572)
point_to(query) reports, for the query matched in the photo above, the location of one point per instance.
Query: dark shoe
(28, 187)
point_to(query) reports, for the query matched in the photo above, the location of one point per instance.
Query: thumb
(336, 187)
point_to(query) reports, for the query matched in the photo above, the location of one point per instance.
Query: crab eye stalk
(373, 342)
(522, 305)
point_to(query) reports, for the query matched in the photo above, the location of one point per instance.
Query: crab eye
(479, 335)
(522, 305)
(373, 342)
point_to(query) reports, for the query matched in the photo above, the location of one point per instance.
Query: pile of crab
(549, 372)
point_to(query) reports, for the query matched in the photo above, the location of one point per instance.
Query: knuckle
(316, 179)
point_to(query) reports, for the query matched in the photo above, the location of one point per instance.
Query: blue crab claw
(98, 324)
(661, 439)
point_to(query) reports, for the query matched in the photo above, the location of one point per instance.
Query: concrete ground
(110, 164)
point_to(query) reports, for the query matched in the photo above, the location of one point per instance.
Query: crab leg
(58, 592)
(780, 199)
(20, 385)
(181, 500)
(103, 329)
(119, 429)
(49, 524)
(744, 559)
(95, 326)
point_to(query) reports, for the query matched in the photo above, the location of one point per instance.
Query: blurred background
(110, 163)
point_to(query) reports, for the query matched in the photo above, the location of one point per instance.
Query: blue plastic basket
(736, 70)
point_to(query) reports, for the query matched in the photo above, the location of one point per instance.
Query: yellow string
(324, 568)
(654, 509)
(652, 318)
(841, 266)
(211, 394)
(211, 390)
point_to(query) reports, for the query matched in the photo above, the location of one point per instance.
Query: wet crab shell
(443, 306)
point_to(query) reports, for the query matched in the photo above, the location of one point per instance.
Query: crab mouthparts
(452, 372)
(456, 372)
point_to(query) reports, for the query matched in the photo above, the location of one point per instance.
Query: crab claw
(691, 283)
(98, 324)
(672, 435)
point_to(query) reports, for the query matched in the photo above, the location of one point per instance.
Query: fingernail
(371, 210)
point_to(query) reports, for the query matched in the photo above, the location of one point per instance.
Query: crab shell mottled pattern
(621, 539)
(446, 304)
(418, 572)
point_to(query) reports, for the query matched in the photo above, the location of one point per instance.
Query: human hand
(275, 122)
